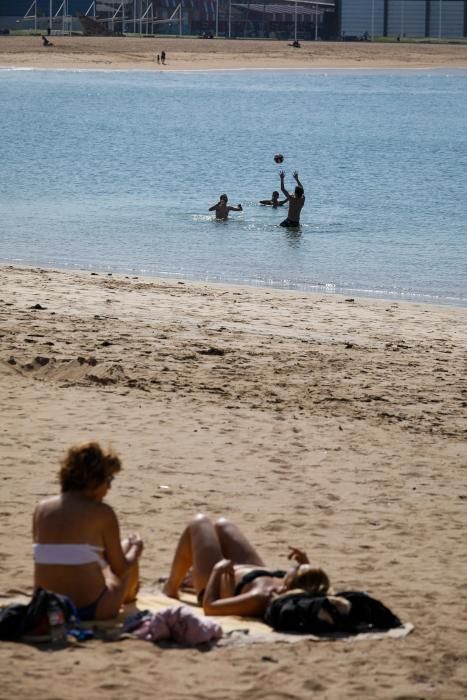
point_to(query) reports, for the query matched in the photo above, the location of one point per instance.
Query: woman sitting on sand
(229, 576)
(77, 548)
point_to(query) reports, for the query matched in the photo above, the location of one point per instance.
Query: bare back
(295, 207)
(72, 519)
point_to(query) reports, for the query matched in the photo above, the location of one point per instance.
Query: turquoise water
(116, 171)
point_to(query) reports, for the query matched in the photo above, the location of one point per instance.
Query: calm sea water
(116, 171)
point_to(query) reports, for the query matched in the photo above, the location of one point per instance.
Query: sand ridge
(313, 420)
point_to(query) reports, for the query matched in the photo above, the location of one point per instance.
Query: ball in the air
(279, 158)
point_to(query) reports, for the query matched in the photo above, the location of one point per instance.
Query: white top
(68, 554)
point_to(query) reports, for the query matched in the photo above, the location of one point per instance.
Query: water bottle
(56, 624)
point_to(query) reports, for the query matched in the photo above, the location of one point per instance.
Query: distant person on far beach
(274, 202)
(222, 209)
(163, 58)
(45, 41)
(296, 201)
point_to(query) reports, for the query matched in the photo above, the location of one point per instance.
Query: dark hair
(275, 193)
(87, 466)
(299, 191)
(223, 196)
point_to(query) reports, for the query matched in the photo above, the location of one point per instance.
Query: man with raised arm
(296, 201)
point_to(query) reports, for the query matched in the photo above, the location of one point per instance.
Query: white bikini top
(68, 554)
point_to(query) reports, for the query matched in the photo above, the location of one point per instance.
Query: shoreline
(326, 289)
(121, 54)
(311, 69)
(231, 288)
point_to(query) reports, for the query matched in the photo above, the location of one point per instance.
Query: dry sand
(314, 420)
(185, 54)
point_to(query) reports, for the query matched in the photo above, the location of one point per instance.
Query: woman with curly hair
(229, 576)
(77, 548)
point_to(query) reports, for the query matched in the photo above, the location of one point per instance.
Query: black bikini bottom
(88, 612)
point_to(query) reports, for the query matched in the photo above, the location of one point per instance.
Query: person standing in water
(296, 201)
(222, 209)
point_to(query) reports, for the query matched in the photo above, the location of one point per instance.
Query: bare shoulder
(101, 515)
(75, 507)
(104, 510)
(106, 513)
(47, 504)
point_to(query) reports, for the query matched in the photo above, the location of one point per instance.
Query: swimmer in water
(274, 202)
(222, 209)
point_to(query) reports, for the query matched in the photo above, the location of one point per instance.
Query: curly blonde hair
(87, 466)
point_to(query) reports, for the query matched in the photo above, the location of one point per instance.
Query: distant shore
(123, 53)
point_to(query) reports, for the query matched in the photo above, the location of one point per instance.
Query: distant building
(325, 19)
(272, 18)
(445, 19)
(13, 12)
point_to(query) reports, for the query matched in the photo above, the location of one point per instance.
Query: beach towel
(237, 631)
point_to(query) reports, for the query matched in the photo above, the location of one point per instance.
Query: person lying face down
(77, 548)
(229, 576)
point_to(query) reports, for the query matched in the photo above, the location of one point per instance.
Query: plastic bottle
(56, 624)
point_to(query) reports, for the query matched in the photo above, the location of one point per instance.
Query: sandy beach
(202, 54)
(332, 423)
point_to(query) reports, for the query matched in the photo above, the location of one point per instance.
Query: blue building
(446, 19)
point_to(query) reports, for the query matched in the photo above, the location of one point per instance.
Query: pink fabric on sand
(180, 624)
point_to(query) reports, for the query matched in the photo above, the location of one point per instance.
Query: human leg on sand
(201, 545)
(118, 590)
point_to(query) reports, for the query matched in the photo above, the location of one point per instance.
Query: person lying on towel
(77, 548)
(229, 576)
